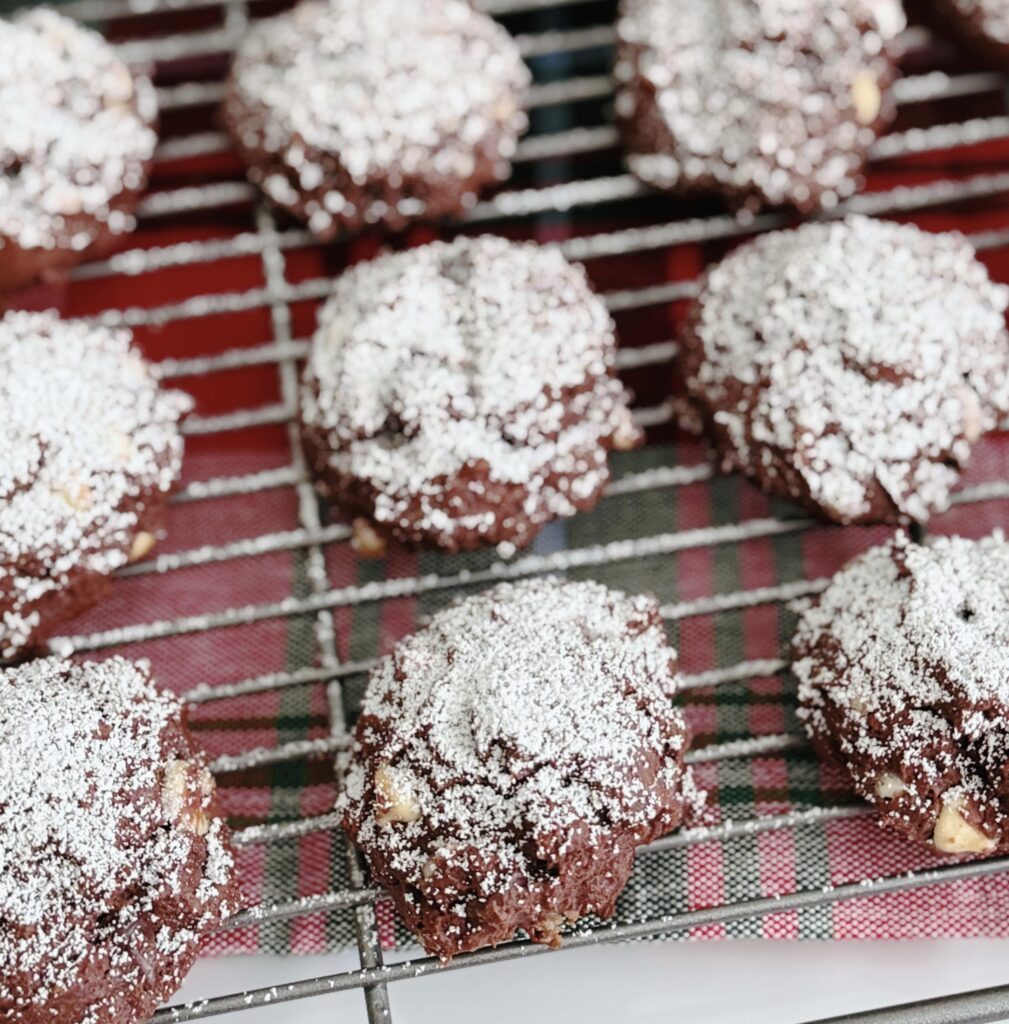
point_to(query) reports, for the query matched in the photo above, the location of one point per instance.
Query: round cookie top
(87, 435)
(104, 811)
(776, 100)
(389, 89)
(903, 668)
(515, 718)
(850, 365)
(479, 351)
(76, 132)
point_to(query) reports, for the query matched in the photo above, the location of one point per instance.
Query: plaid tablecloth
(701, 875)
(705, 874)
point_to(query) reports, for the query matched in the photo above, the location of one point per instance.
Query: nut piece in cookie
(464, 394)
(76, 142)
(769, 103)
(849, 366)
(903, 671)
(350, 114)
(113, 860)
(91, 451)
(510, 758)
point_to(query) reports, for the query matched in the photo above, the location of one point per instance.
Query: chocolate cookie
(463, 394)
(982, 26)
(91, 449)
(510, 758)
(772, 102)
(850, 366)
(903, 670)
(76, 142)
(384, 112)
(113, 863)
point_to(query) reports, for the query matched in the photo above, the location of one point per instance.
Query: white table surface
(665, 983)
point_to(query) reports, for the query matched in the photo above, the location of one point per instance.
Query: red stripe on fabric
(398, 615)
(385, 918)
(776, 854)
(706, 885)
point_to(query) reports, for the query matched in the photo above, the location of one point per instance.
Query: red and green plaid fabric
(701, 875)
(696, 876)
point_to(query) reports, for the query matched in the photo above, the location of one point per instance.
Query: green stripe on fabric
(629, 517)
(811, 854)
(735, 777)
(288, 779)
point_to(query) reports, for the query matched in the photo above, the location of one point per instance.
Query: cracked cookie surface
(463, 394)
(76, 143)
(350, 114)
(511, 757)
(775, 102)
(91, 451)
(850, 366)
(113, 861)
(903, 672)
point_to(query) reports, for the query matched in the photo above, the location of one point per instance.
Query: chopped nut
(394, 797)
(366, 540)
(627, 435)
(66, 200)
(866, 96)
(889, 786)
(177, 797)
(59, 31)
(77, 495)
(549, 927)
(504, 109)
(119, 85)
(142, 544)
(973, 417)
(954, 834)
(122, 445)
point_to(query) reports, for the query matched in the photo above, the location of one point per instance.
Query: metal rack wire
(273, 246)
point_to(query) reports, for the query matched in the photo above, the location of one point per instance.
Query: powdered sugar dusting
(386, 89)
(480, 352)
(76, 132)
(531, 716)
(779, 99)
(852, 364)
(903, 667)
(90, 860)
(89, 440)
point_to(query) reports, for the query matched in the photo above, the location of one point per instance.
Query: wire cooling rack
(570, 185)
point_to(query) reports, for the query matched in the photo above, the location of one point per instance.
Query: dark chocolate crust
(72, 171)
(849, 366)
(501, 512)
(20, 266)
(115, 861)
(902, 682)
(93, 450)
(83, 589)
(510, 759)
(393, 201)
(418, 423)
(408, 162)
